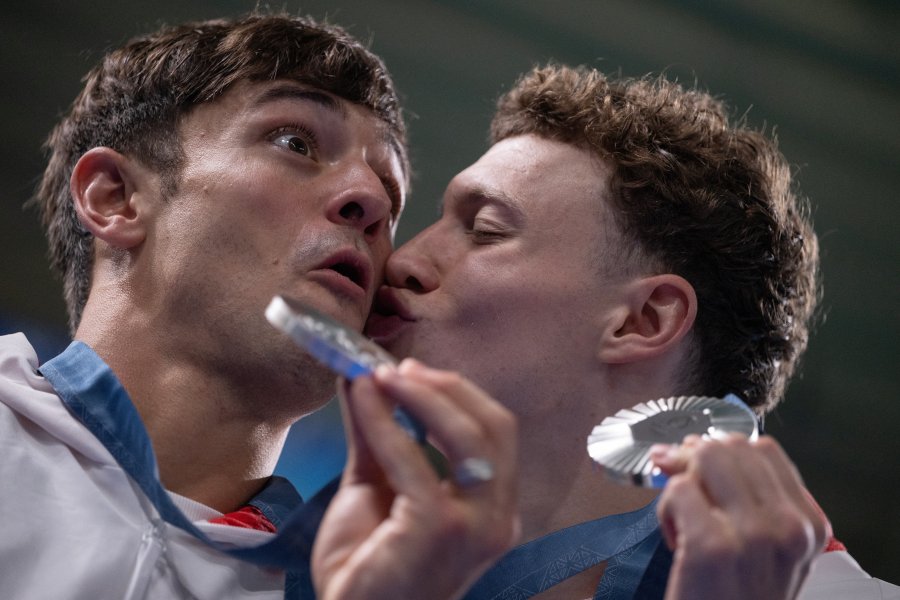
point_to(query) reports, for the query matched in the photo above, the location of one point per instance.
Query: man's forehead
(258, 95)
(514, 168)
(263, 93)
(537, 176)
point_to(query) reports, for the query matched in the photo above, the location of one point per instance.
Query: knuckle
(452, 525)
(718, 549)
(787, 533)
(770, 449)
(768, 444)
(735, 440)
(448, 380)
(706, 454)
(676, 487)
(678, 484)
(821, 530)
(798, 538)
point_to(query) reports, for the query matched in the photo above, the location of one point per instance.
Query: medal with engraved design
(621, 443)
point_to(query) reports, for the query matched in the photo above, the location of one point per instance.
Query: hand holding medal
(733, 510)
(392, 507)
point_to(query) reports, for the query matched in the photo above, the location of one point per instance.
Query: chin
(398, 349)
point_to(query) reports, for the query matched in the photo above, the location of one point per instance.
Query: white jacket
(836, 576)
(74, 525)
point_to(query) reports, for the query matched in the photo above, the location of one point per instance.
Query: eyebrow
(494, 195)
(292, 92)
(481, 193)
(288, 91)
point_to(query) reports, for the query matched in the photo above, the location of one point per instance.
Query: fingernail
(664, 452)
(409, 365)
(384, 371)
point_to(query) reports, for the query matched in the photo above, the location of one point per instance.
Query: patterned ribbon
(94, 395)
(627, 542)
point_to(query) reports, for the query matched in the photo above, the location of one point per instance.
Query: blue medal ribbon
(95, 396)
(628, 542)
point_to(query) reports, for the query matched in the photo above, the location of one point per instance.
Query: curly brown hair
(133, 99)
(710, 200)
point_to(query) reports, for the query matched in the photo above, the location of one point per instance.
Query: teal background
(825, 74)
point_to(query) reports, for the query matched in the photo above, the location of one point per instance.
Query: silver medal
(621, 443)
(342, 350)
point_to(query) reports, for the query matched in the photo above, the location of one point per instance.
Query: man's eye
(294, 143)
(485, 234)
(296, 138)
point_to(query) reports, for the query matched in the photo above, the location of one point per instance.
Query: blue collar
(95, 396)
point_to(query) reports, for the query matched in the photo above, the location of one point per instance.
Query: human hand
(394, 529)
(738, 519)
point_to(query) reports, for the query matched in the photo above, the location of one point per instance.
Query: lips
(348, 270)
(389, 315)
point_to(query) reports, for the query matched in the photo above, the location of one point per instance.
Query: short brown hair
(132, 102)
(707, 199)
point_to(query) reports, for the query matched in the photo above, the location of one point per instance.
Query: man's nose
(412, 266)
(362, 202)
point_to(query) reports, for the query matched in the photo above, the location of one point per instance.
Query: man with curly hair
(203, 169)
(624, 241)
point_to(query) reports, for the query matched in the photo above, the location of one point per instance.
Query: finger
(476, 433)
(451, 395)
(761, 482)
(792, 486)
(784, 471)
(768, 472)
(778, 491)
(446, 405)
(716, 466)
(684, 510)
(360, 463)
(397, 456)
(466, 394)
(674, 458)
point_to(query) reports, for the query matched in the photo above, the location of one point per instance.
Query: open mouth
(350, 266)
(351, 272)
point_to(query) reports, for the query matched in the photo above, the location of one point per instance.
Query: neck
(216, 436)
(560, 486)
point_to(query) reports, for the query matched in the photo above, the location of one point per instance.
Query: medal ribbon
(94, 395)
(626, 541)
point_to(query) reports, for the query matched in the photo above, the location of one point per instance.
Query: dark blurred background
(825, 73)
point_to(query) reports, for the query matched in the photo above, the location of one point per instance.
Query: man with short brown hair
(624, 241)
(204, 169)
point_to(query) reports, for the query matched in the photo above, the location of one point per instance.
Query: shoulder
(17, 357)
(33, 419)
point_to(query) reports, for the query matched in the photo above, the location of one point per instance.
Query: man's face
(284, 190)
(508, 286)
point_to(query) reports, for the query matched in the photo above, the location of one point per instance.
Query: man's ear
(105, 186)
(657, 313)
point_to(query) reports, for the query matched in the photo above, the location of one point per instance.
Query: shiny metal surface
(621, 443)
(344, 351)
